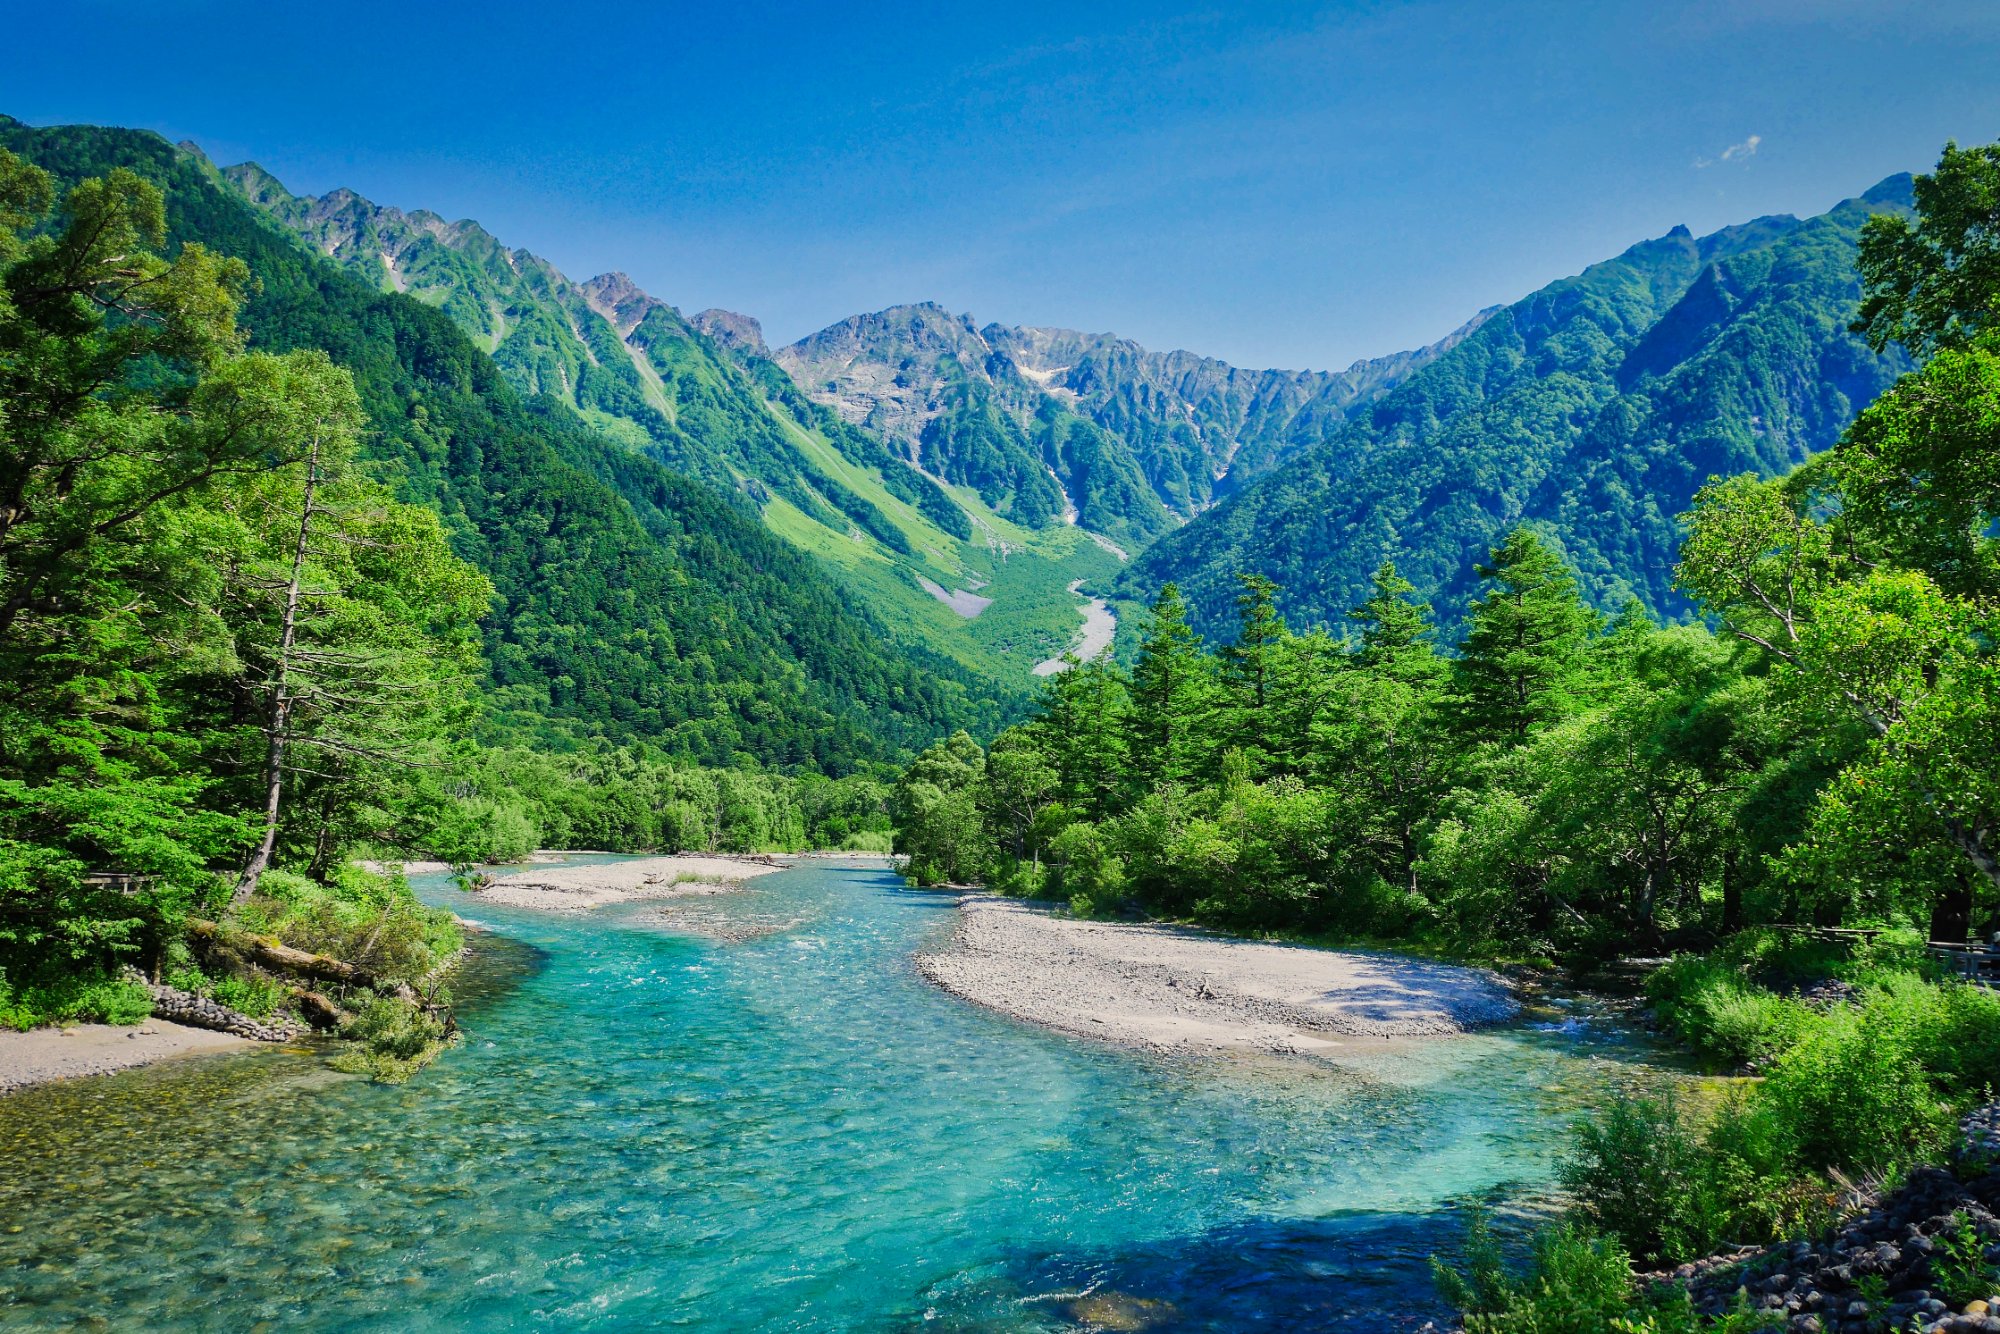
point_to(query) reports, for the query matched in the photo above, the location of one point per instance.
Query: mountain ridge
(1592, 408)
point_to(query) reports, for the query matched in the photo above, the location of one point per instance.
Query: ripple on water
(766, 1131)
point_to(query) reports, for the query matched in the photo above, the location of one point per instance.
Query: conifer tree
(1085, 710)
(1250, 665)
(1524, 662)
(1398, 633)
(1173, 689)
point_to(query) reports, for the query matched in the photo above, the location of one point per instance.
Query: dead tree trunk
(281, 695)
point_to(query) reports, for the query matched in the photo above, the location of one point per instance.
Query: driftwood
(319, 1011)
(280, 957)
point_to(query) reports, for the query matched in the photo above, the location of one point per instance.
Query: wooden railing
(1975, 962)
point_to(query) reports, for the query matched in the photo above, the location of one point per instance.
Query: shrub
(1751, 1162)
(1960, 1266)
(370, 920)
(1854, 1094)
(1575, 1283)
(73, 998)
(394, 1039)
(253, 994)
(868, 840)
(1640, 1173)
(1711, 1005)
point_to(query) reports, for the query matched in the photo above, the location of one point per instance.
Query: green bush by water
(394, 1039)
(1575, 1281)
(73, 998)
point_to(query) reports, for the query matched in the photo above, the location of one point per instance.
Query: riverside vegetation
(1563, 788)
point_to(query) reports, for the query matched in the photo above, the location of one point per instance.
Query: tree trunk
(282, 958)
(281, 697)
(1732, 894)
(1951, 913)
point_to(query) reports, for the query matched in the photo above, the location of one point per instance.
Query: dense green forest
(1591, 411)
(632, 604)
(1558, 786)
(288, 574)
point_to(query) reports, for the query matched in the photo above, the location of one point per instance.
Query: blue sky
(1278, 185)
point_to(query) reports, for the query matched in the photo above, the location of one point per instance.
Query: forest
(288, 579)
(1558, 788)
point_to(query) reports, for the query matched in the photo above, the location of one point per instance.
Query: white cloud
(1733, 153)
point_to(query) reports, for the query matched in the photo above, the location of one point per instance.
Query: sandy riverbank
(43, 1054)
(1169, 989)
(581, 888)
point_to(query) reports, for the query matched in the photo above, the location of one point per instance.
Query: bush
(869, 840)
(394, 1038)
(1576, 1283)
(369, 920)
(75, 998)
(253, 994)
(1640, 1173)
(1711, 1005)
(1854, 1093)
(1960, 1266)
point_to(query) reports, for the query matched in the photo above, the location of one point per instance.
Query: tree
(1936, 283)
(1522, 664)
(350, 610)
(939, 825)
(1022, 787)
(1173, 695)
(1398, 635)
(1249, 664)
(1084, 714)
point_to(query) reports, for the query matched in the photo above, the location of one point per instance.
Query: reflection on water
(784, 1132)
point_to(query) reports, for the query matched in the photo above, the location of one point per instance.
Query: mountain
(634, 604)
(1593, 408)
(1042, 422)
(701, 396)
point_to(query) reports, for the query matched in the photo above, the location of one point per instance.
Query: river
(793, 1132)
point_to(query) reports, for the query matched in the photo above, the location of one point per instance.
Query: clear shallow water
(648, 1130)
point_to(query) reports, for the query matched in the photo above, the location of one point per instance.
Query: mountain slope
(1594, 408)
(701, 396)
(1043, 422)
(634, 604)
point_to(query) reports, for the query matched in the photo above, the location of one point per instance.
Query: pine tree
(1084, 714)
(1398, 633)
(1250, 665)
(1524, 663)
(1173, 692)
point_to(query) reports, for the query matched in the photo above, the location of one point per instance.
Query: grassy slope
(1027, 573)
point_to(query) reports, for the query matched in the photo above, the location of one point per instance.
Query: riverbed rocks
(1172, 989)
(1890, 1267)
(185, 1007)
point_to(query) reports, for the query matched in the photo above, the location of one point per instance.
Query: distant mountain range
(949, 471)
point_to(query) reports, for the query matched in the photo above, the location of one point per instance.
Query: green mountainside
(1592, 409)
(961, 480)
(634, 604)
(982, 584)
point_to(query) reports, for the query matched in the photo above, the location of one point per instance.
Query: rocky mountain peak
(617, 298)
(734, 331)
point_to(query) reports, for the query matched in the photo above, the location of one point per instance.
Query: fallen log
(319, 1011)
(280, 957)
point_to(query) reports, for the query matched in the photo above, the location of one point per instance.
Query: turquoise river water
(648, 1129)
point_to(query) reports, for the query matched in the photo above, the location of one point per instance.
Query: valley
(524, 807)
